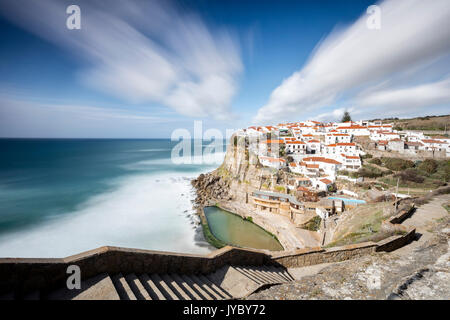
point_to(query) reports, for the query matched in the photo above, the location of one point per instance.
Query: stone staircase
(228, 282)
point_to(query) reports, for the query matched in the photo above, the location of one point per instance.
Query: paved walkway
(422, 219)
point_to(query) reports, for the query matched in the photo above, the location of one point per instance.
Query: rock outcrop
(211, 187)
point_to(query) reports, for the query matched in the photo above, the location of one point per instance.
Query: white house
(331, 138)
(313, 146)
(355, 130)
(276, 163)
(338, 148)
(383, 135)
(295, 147)
(350, 162)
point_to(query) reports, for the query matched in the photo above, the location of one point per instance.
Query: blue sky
(154, 66)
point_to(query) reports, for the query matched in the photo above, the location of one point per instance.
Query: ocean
(59, 197)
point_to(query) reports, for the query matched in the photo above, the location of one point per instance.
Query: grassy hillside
(431, 123)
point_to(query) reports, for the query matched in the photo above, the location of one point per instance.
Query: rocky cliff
(239, 173)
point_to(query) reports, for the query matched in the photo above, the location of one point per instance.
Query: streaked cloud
(420, 96)
(351, 59)
(142, 52)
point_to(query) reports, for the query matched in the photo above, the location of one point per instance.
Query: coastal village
(302, 180)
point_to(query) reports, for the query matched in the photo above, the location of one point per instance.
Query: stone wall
(311, 256)
(24, 275)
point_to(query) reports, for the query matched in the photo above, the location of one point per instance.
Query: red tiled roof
(326, 181)
(273, 141)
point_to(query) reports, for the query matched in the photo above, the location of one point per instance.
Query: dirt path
(423, 220)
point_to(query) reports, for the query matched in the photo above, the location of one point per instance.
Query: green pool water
(234, 230)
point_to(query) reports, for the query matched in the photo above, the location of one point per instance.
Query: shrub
(376, 161)
(343, 173)
(397, 164)
(313, 224)
(369, 172)
(367, 156)
(429, 166)
(410, 175)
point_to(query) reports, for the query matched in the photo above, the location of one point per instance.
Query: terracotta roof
(273, 141)
(326, 181)
(295, 142)
(352, 127)
(292, 164)
(432, 141)
(304, 189)
(321, 159)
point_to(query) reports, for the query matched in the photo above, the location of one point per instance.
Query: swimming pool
(350, 201)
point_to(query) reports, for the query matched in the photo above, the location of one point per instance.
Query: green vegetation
(313, 224)
(428, 123)
(280, 189)
(249, 219)
(367, 156)
(212, 240)
(368, 171)
(396, 164)
(346, 117)
(364, 225)
(447, 207)
(223, 172)
(428, 166)
(376, 161)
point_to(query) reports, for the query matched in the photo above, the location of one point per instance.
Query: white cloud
(419, 96)
(412, 32)
(142, 52)
(335, 115)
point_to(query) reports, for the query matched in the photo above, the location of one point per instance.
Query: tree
(346, 117)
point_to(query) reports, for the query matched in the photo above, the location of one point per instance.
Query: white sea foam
(210, 160)
(148, 211)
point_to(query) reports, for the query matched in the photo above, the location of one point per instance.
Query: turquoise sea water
(60, 197)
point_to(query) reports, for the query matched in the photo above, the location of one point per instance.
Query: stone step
(151, 287)
(276, 275)
(224, 294)
(163, 287)
(186, 287)
(175, 287)
(197, 286)
(250, 275)
(99, 287)
(232, 281)
(269, 278)
(122, 287)
(278, 272)
(286, 274)
(207, 288)
(136, 286)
